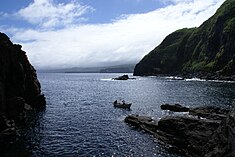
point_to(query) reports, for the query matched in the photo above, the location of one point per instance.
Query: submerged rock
(207, 136)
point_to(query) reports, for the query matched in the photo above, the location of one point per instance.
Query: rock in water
(18, 82)
(210, 136)
(123, 77)
(174, 108)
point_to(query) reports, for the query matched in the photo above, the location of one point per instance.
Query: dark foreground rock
(20, 89)
(174, 108)
(199, 136)
(209, 112)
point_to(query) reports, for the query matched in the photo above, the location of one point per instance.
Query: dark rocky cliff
(20, 89)
(206, 51)
(205, 131)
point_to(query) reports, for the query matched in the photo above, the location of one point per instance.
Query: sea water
(80, 119)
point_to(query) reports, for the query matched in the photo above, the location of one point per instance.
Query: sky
(94, 33)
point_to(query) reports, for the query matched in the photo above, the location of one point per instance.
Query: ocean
(80, 119)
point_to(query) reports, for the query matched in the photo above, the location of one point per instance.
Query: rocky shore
(205, 131)
(20, 89)
(205, 52)
(208, 76)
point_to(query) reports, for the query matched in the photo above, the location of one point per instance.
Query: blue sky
(107, 10)
(101, 11)
(86, 33)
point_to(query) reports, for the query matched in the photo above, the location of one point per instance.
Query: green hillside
(205, 51)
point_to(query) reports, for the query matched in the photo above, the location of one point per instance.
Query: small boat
(122, 105)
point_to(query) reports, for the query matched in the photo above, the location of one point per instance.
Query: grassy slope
(208, 49)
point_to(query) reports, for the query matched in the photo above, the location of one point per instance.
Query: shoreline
(208, 131)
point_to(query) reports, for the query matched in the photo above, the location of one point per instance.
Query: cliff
(207, 51)
(20, 89)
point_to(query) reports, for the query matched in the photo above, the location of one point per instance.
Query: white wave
(221, 81)
(107, 79)
(203, 80)
(195, 79)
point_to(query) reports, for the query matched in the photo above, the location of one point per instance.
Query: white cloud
(123, 41)
(46, 13)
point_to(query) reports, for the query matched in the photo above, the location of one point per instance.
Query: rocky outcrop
(123, 77)
(222, 142)
(209, 112)
(174, 108)
(19, 86)
(206, 52)
(207, 137)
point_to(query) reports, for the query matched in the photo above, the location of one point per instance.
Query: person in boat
(123, 102)
(115, 102)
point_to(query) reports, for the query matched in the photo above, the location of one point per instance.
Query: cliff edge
(20, 89)
(206, 52)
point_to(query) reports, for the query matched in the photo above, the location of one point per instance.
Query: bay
(80, 119)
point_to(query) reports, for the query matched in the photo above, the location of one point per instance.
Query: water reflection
(80, 119)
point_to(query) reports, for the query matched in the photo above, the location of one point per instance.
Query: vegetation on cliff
(208, 50)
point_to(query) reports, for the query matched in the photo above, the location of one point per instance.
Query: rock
(123, 77)
(39, 102)
(3, 124)
(209, 112)
(186, 133)
(222, 142)
(146, 123)
(174, 108)
(210, 136)
(7, 128)
(18, 85)
(15, 108)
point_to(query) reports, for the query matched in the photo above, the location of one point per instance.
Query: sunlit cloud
(125, 40)
(46, 14)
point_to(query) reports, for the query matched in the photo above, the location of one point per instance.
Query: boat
(122, 105)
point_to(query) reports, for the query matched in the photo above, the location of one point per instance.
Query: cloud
(125, 40)
(47, 14)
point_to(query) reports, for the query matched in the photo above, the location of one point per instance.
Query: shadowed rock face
(210, 136)
(18, 82)
(174, 108)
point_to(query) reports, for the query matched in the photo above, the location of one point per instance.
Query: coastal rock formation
(174, 108)
(206, 52)
(209, 112)
(123, 77)
(195, 135)
(19, 86)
